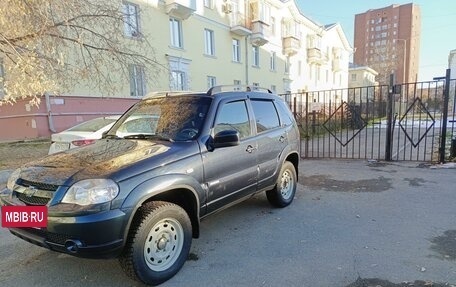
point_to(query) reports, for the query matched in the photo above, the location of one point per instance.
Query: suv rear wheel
(284, 191)
(158, 243)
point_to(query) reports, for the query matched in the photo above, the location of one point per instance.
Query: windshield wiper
(111, 137)
(147, 136)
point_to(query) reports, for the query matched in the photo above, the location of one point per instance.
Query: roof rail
(166, 93)
(233, 88)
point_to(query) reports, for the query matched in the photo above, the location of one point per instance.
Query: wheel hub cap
(163, 244)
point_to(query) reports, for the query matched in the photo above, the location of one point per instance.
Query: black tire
(284, 191)
(158, 243)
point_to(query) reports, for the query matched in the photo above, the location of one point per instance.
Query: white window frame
(211, 81)
(209, 4)
(131, 20)
(137, 81)
(256, 56)
(209, 42)
(236, 50)
(178, 80)
(273, 61)
(179, 73)
(175, 30)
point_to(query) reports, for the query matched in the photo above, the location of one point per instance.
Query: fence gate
(407, 122)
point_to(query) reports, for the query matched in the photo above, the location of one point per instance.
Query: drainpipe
(49, 113)
(247, 60)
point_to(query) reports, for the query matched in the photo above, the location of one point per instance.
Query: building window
(175, 27)
(353, 77)
(131, 19)
(287, 67)
(299, 68)
(256, 85)
(209, 43)
(208, 4)
(178, 81)
(273, 88)
(272, 62)
(211, 81)
(137, 81)
(179, 73)
(273, 26)
(256, 56)
(237, 83)
(236, 50)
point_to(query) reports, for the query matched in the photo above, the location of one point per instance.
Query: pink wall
(24, 121)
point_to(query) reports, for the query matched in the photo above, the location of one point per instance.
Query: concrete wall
(26, 121)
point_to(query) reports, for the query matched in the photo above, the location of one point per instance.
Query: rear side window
(265, 115)
(285, 115)
(233, 116)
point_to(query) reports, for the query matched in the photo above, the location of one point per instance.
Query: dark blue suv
(172, 159)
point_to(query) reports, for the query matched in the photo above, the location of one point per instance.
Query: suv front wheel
(158, 243)
(284, 191)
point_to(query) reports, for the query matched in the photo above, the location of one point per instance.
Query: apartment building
(201, 43)
(388, 40)
(362, 80)
(452, 63)
(266, 43)
(361, 76)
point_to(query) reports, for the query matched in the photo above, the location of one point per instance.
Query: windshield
(177, 118)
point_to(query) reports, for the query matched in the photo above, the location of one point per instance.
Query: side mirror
(226, 138)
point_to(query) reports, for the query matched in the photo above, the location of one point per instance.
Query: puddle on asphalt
(445, 245)
(365, 185)
(415, 181)
(192, 257)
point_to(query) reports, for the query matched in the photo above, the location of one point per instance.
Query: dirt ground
(15, 154)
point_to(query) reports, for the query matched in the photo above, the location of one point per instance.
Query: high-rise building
(388, 40)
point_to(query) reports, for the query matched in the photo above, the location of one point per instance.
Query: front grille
(57, 238)
(49, 236)
(38, 185)
(32, 200)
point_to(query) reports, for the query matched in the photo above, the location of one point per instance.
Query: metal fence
(406, 122)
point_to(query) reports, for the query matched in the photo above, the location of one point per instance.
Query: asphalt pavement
(350, 219)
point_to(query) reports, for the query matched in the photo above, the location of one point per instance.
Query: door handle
(249, 149)
(281, 139)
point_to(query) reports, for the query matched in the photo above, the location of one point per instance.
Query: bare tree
(54, 45)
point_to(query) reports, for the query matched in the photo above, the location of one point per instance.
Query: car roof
(225, 90)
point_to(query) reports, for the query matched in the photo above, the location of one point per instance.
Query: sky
(438, 26)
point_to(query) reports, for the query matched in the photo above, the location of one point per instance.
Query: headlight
(13, 178)
(91, 191)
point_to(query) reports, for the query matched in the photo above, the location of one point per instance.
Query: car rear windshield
(92, 125)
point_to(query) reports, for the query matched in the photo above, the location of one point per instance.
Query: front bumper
(97, 235)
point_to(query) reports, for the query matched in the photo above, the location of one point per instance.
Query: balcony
(181, 9)
(259, 33)
(315, 56)
(238, 24)
(291, 45)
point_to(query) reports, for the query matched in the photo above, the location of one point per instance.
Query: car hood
(102, 159)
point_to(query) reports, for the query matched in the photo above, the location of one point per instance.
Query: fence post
(389, 119)
(446, 97)
(306, 153)
(294, 107)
